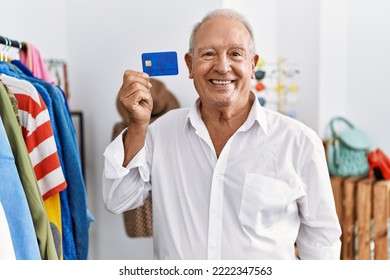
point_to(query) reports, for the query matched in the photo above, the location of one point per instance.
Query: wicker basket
(139, 221)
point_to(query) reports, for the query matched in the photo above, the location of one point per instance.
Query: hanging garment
(70, 157)
(38, 136)
(17, 69)
(73, 172)
(27, 176)
(31, 57)
(7, 251)
(68, 243)
(16, 210)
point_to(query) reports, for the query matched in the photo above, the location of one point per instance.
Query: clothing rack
(60, 226)
(12, 43)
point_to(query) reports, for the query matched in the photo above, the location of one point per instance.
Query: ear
(255, 59)
(188, 59)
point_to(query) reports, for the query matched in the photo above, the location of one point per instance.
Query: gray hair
(225, 13)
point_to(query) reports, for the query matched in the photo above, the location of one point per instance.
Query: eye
(236, 55)
(207, 55)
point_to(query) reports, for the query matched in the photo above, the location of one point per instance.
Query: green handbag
(347, 150)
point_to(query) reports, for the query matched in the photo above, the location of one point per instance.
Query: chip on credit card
(160, 63)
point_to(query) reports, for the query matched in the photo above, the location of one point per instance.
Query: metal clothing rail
(12, 43)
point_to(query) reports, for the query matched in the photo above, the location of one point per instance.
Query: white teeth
(219, 82)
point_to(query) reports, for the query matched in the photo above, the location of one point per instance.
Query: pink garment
(33, 61)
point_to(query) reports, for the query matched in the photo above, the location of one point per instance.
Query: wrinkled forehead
(222, 31)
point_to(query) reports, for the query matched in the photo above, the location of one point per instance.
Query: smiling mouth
(221, 82)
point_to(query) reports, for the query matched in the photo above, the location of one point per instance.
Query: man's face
(222, 64)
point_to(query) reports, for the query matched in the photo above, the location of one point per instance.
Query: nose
(222, 64)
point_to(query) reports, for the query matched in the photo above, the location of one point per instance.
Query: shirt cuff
(114, 156)
(307, 252)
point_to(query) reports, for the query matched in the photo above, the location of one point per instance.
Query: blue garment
(72, 169)
(22, 68)
(75, 194)
(15, 204)
(68, 243)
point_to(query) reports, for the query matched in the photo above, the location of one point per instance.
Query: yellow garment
(53, 209)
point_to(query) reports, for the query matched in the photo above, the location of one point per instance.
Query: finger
(138, 98)
(135, 95)
(128, 90)
(131, 77)
(134, 85)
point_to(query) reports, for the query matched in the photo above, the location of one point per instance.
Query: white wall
(42, 23)
(298, 42)
(332, 93)
(341, 47)
(354, 66)
(368, 73)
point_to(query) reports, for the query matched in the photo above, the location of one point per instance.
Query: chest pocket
(264, 201)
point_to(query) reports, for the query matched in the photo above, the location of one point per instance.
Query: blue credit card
(160, 63)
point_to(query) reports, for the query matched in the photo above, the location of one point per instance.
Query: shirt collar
(194, 117)
(256, 114)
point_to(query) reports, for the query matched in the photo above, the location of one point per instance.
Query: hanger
(4, 51)
(12, 43)
(8, 43)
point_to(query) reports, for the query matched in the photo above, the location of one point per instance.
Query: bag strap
(338, 118)
(336, 151)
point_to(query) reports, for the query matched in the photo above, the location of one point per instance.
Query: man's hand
(136, 97)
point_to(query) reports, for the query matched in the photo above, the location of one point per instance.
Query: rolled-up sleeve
(124, 188)
(320, 231)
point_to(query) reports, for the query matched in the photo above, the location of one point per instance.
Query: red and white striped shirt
(38, 134)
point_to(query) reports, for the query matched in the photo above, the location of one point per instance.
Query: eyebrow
(232, 46)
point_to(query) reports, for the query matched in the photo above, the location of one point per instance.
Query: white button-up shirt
(268, 189)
